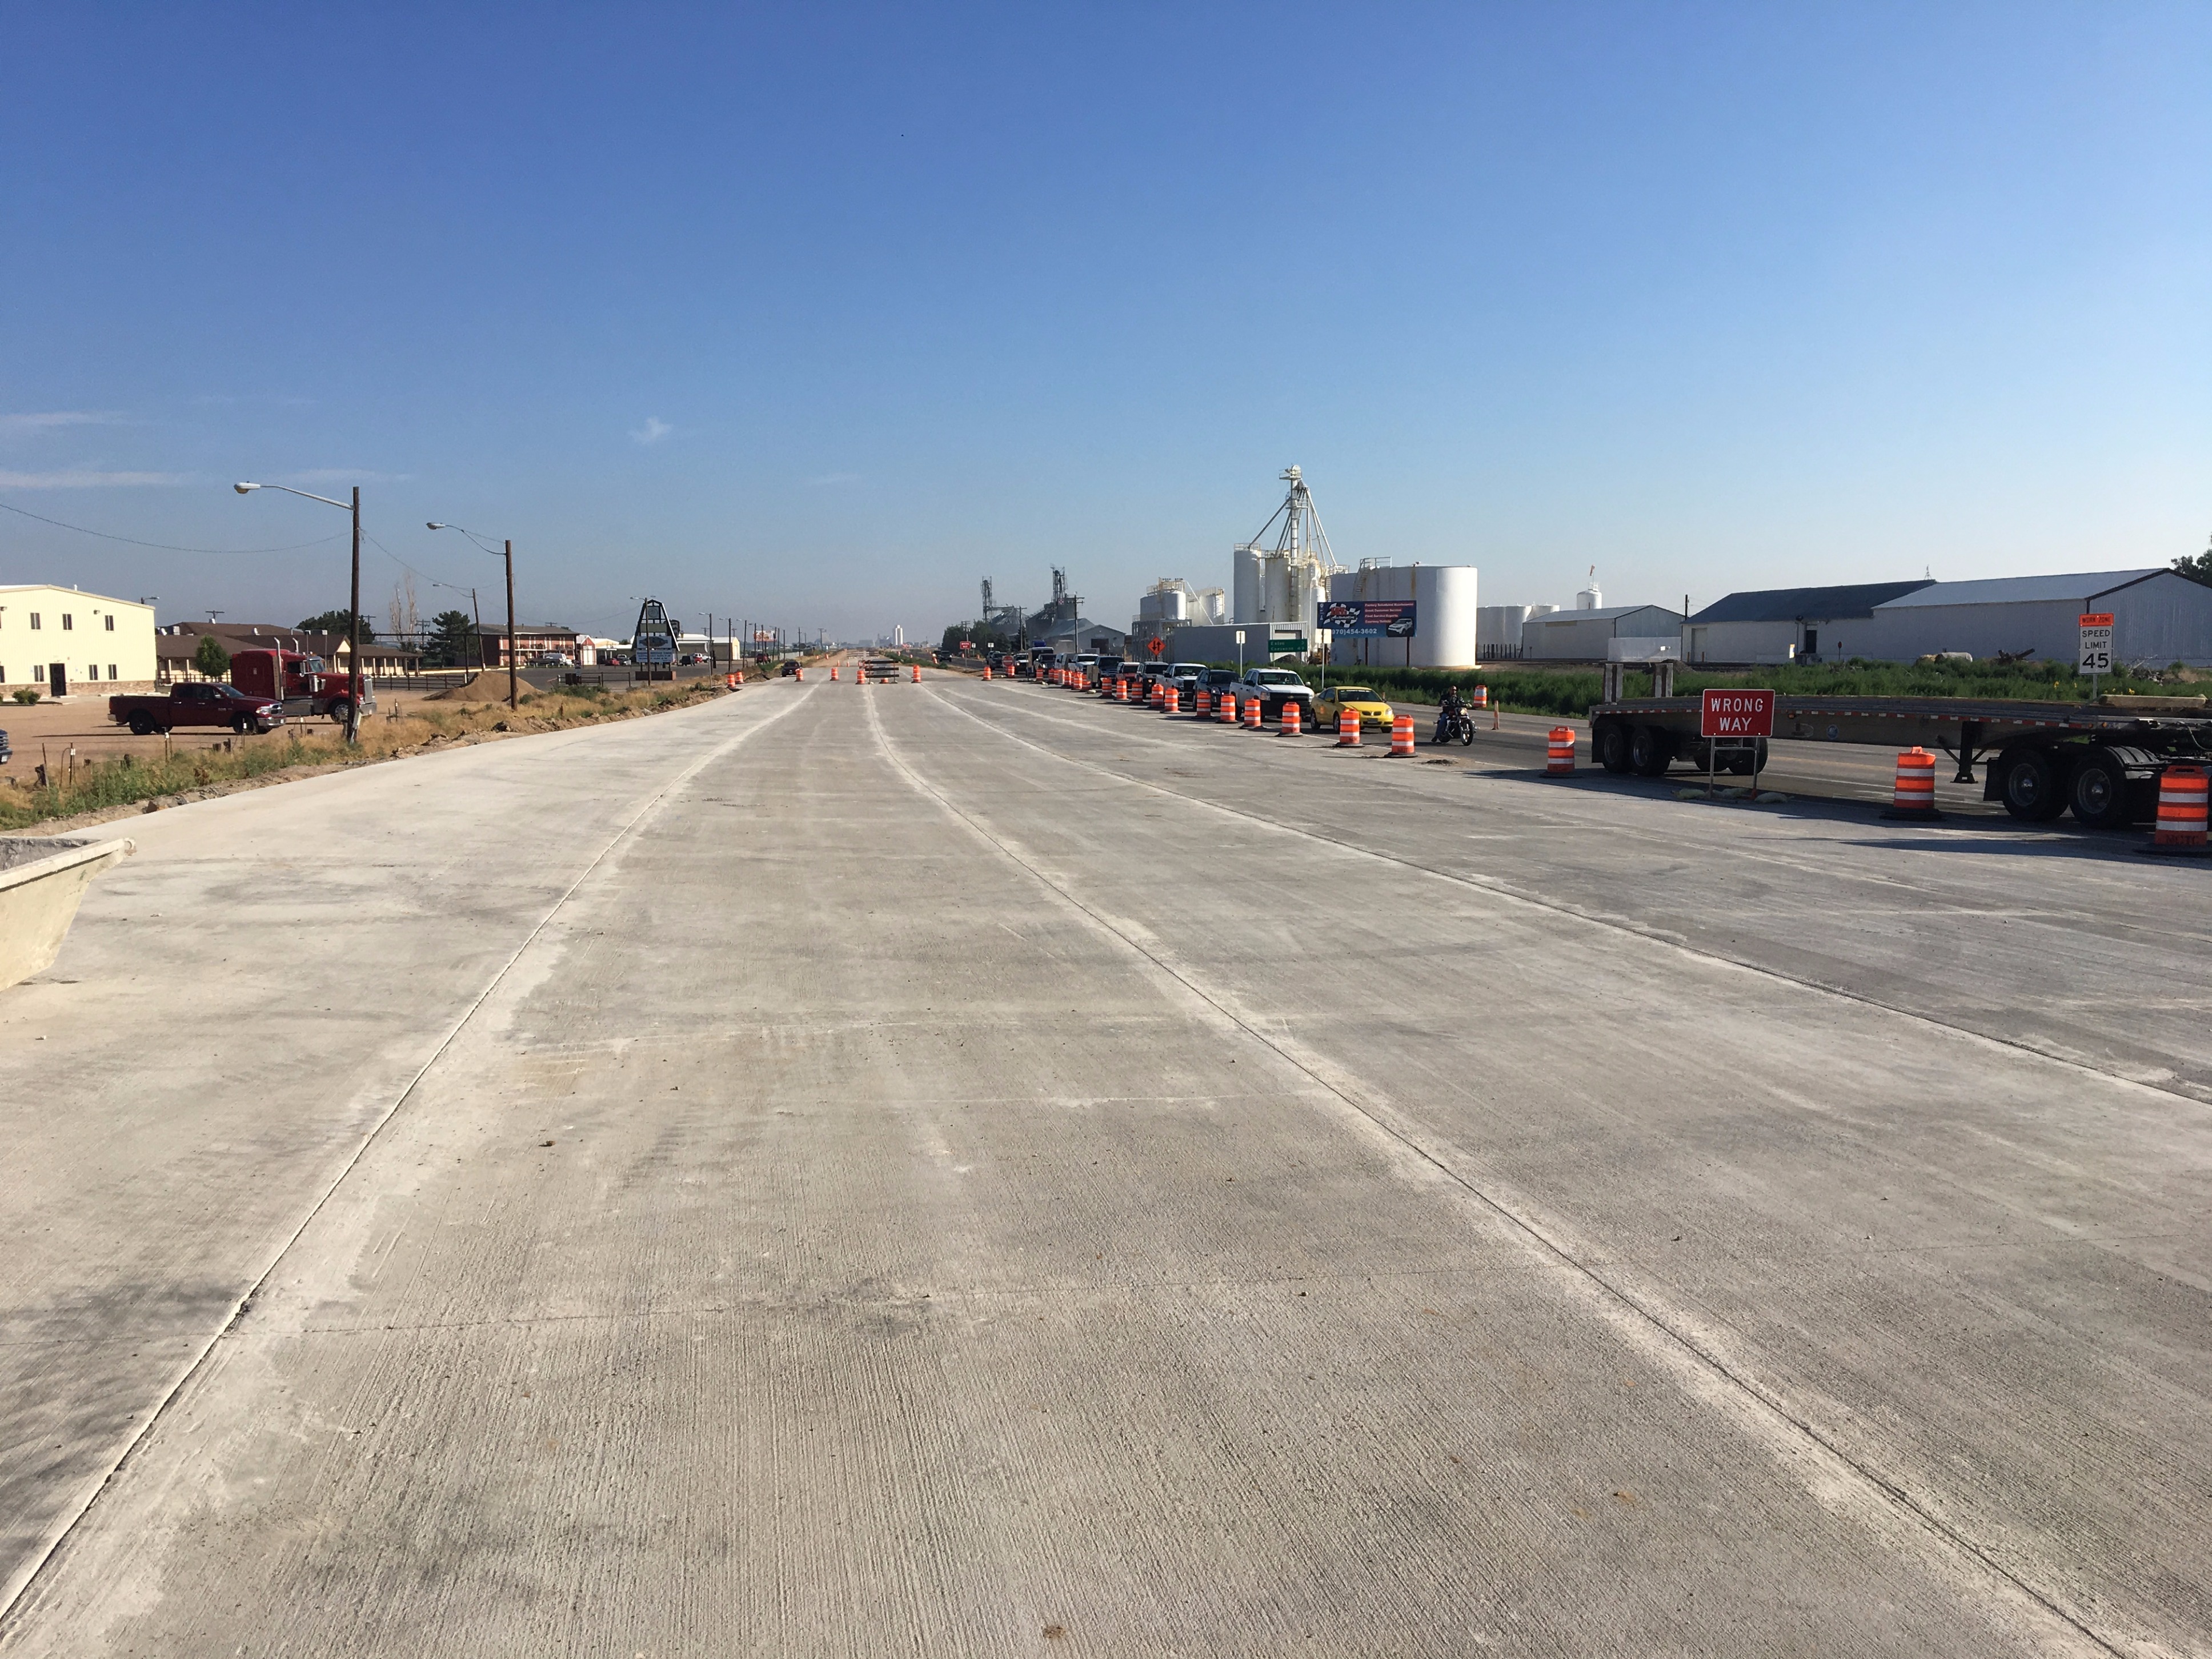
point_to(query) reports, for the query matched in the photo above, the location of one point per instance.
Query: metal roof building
(2159, 617)
(1585, 635)
(1776, 623)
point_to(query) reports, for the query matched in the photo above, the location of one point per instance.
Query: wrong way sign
(1728, 714)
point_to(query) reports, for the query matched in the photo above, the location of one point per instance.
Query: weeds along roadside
(199, 760)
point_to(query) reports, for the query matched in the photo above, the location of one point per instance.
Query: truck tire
(1744, 762)
(1650, 750)
(1610, 740)
(2097, 791)
(2030, 785)
(141, 727)
(339, 711)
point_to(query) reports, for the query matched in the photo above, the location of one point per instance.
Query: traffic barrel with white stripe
(1171, 700)
(1559, 753)
(1252, 714)
(1157, 697)
(1224, 708)
(2181, 809)
(1121, 690)
(1294, 723)
(1481, 702)
(1401, 734)
(1915, 785)
(799, 673)
(1202, 702)
(986, 670)
(833, 670)
(1348, 729)
(915, 669)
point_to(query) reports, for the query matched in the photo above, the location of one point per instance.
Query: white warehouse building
(1446, 630)
(1588, 635)
(2159, 617)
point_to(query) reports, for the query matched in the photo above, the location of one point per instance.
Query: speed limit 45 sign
(2097, 642)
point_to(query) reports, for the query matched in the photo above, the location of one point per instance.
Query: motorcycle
(1454, 723)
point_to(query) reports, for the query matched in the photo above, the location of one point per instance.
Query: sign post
(2096, 647)
(1240, 653)
(1735, 717)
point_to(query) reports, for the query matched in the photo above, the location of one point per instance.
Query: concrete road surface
(963, 1169)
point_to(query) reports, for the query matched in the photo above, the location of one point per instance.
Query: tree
(212, 659)
(335, 622)
(453, 641)
(2198, 567)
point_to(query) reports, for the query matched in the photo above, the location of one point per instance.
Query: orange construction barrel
(2181, 810)
(1348, 729)
(1402, 735)
(1916, 786)
(1559, 753)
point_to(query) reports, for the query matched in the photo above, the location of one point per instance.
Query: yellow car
(1330, 705)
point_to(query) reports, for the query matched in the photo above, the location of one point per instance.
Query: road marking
(1685, 1349)
(1491, 885)
(25, 1576)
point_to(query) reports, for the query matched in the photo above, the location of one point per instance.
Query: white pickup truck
(1276, 687)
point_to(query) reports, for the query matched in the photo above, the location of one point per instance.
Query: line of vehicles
(2102, 762)
(1276, 689)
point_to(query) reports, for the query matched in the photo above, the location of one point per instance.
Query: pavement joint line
(1491, 886)
(1654, 1334)
(28, 1576)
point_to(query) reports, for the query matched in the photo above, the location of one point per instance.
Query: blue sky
(818, 315)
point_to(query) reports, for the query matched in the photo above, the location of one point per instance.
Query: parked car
(1276, 688)
(1332, 702)
(197, 702)
(554, 659)
(1186, 678)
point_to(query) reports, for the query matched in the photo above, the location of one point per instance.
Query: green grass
(130, 778)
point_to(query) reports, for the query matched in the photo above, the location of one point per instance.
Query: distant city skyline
(817, 318)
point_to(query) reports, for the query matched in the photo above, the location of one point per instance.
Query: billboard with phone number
(1368, 619)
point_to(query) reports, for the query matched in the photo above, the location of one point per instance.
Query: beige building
(60, 638)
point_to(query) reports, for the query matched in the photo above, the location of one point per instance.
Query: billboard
(1368, 619)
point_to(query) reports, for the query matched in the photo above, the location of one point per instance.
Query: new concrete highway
(964, 1169)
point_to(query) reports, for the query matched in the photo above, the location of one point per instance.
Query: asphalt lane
(965, 1169)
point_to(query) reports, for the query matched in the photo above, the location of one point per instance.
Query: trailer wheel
(2097, 790)
(1744, 762)
(1650, 751)
(1609, 742)
(2032, 791)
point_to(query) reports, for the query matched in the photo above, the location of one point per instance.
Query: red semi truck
(306, 680)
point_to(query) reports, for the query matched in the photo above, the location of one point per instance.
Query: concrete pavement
(966, 1169)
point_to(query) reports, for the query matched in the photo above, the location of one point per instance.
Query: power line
(166, 546)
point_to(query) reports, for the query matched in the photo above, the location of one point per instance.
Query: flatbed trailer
(2100, 761)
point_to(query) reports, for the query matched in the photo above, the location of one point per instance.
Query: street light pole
(353, 622)
(353, 615)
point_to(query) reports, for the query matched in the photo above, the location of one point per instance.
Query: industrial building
(1171, 602)
(1588, 634)
(1262, 643)
(1444, 631)
(1498, 628)
(52, 638)
(1778, 624)
(2159, 617)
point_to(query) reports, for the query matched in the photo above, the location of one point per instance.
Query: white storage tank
(1245, 585)
(1445, 617)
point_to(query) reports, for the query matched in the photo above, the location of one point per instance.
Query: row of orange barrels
(2182, 801)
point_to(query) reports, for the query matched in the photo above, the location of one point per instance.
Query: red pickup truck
(305, 676)
(197, 702)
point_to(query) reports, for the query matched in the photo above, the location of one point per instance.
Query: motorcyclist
(1448, 713)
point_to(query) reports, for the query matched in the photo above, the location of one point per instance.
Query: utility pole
(513, 700)
(353, 622)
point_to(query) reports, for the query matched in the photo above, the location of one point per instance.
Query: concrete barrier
(42, 879)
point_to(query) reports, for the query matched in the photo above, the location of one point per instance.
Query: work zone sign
(1736, 714)
(2096, 642)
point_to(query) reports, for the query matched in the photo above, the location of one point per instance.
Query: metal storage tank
(1445, 618)
(1245, 585)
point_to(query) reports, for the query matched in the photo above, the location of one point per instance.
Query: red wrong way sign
(1736, 714)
